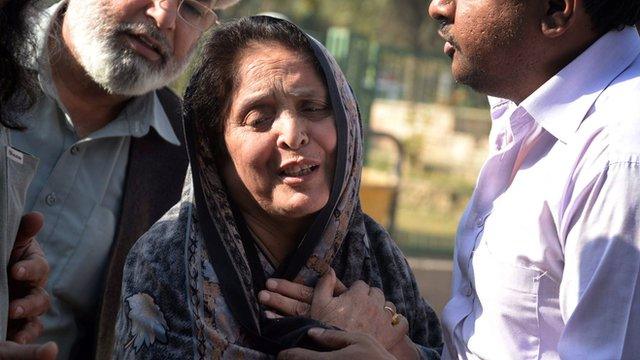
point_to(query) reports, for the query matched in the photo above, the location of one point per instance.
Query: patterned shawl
(188, 287)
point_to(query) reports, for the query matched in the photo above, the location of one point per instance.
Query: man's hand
(28, 272)
(361, 308)
(346, 345)
(12, 351)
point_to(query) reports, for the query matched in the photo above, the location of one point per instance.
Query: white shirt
(547, 257)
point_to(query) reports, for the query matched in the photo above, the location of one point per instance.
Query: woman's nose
(442, 10)
(292, 132)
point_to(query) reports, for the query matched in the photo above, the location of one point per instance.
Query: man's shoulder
(619, 110)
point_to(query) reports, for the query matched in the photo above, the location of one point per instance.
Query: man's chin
(468, 76)
(134, 81)
(132, 89)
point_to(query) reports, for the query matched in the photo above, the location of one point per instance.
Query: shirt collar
(561, 104)
(140, 115)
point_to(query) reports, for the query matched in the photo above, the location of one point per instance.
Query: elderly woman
(275, 145)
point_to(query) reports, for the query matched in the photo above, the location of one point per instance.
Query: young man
(548, 252)
(547, 257)
(108, 137)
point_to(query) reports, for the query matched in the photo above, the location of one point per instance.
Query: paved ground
(434, 279)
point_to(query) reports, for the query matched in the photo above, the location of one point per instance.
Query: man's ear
(558, 17)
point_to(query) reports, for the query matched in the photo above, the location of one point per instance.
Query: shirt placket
(493, 180)
(51, 203)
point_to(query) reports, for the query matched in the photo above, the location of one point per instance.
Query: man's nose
(442, 9)
(164, 13)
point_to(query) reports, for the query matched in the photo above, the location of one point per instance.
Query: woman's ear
(558, 17)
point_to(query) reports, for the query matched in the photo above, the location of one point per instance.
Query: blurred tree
(401, 23)
(410, 21)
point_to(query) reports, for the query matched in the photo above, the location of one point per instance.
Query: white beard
(98, 45)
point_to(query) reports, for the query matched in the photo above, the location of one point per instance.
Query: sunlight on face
(129, 47)
(280, 134)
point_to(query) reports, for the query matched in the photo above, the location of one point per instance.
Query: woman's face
(280, 134)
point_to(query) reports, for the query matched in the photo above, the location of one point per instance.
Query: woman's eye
(315, 108)
(258, 119)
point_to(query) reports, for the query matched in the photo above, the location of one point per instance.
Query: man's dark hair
(607, 15)
(17, 83)
(213, 84)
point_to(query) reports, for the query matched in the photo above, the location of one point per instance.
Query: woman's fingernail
(271, 284)
(315, 331)
(18, 311)
(263, 296)
(270, 314)
(21, 272)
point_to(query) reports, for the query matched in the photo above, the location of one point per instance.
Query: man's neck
(573, 45)
(90, 106)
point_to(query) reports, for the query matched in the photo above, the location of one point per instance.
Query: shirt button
(74, 149)
(50, 199)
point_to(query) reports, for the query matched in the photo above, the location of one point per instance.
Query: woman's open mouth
(296, 174)
(299, 170)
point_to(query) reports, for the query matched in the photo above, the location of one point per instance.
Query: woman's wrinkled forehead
(253, 62)
(249, 59)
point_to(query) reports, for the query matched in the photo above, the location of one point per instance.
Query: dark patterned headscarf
(215, 278)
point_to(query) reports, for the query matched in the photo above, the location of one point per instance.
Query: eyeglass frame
(208, 9)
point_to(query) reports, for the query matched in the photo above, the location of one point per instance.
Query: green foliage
(402, 23)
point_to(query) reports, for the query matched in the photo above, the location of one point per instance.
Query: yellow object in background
(376, 194)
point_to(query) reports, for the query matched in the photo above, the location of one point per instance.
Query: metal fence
(378, 71)
(386, 72)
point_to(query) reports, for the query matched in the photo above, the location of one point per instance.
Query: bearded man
(108, 136)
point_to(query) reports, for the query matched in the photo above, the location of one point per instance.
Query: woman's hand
(346, 345)
(360, 308)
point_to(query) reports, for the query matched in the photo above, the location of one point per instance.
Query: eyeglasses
(197, 14)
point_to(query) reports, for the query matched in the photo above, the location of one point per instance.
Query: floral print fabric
(174, 303)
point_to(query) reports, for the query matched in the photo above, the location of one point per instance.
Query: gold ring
(395, 317)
